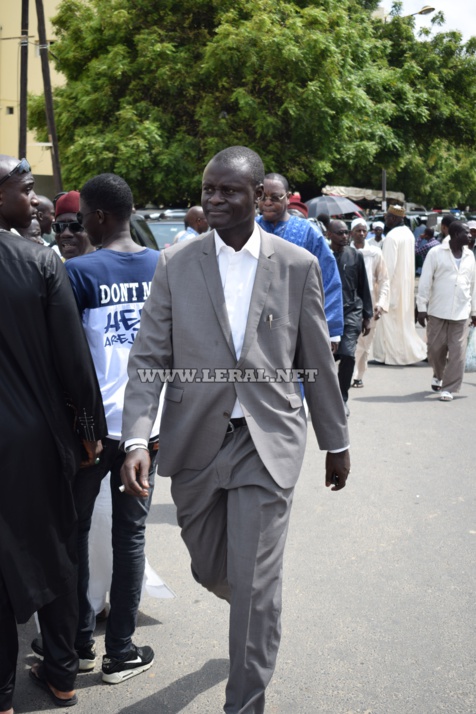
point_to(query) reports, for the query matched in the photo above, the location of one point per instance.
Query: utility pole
(50, 117)
(23, 79)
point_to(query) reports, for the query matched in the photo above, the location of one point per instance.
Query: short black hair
(448, 220)
(109, 193)
(324, 218)
(280, 178)
(429, 232)
(234, 155)
(455, 227)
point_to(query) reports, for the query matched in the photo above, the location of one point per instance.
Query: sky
(459, 14)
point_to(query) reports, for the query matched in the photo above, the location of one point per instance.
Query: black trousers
(129, 516)
(345, 372)
(58, 621)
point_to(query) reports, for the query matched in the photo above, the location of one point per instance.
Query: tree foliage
(154, 88)
(430, 89)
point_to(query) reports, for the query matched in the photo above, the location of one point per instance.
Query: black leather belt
(235, 424)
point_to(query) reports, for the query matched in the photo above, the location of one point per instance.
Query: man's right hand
(92, 450)
(422, 317)
(135, 473)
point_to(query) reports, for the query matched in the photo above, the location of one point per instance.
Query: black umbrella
(333, 205)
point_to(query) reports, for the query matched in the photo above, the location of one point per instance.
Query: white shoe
(446, 397)
(436, 384)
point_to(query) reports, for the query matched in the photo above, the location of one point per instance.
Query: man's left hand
(337, 469)
(365, 327)
(135, 473)
(473, 320)
(422, 317)
(334, 346)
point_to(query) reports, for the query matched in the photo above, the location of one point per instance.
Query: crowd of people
(95, 326)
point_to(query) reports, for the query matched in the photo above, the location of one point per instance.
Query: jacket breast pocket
(173, 394)
(274, 323)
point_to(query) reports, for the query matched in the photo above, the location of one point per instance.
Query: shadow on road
(162, 513)
(404, 398)
(179, 694)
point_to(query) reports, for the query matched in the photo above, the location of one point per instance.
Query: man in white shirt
(225, 315)
(377, 277)
(446, 299)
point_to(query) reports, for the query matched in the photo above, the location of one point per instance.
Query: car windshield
(165, 231)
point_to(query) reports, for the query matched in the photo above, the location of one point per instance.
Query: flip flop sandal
(37, 675)
(446, 397)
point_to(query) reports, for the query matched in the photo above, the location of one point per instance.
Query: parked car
(141, 233)
(165, 230)
(153, 214)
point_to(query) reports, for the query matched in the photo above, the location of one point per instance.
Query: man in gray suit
(229, 321)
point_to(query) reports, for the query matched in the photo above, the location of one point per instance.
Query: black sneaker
(137, 660)
(87, 654)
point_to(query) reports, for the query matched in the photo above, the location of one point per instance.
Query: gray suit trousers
(234, 520)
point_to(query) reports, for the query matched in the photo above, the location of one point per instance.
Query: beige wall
(10, 26)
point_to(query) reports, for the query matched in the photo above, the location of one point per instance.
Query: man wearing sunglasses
(275, 218)
(43, 356)
(71, 237)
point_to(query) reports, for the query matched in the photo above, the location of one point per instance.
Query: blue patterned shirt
(303, 233)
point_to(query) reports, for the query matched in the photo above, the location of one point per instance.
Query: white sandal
(446, 397)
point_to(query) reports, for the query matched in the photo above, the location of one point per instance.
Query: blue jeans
(129, 516)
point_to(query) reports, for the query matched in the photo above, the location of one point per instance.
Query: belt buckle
(230, 428)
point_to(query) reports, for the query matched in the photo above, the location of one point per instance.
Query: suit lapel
(211, 272)
(264, 275)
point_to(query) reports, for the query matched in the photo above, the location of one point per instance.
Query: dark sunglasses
(60, 226)
(23, 167)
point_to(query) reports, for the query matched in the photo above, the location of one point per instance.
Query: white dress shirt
(238, 273)
(446, 290)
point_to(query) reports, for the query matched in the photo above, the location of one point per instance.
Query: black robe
(45, 363)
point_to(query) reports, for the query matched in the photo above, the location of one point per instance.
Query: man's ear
(101, 215)
(259, 190)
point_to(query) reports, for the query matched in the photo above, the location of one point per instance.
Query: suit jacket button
(227, 415)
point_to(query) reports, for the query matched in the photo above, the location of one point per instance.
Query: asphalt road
(378, 613)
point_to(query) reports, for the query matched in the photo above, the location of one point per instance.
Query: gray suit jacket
(185, 325)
